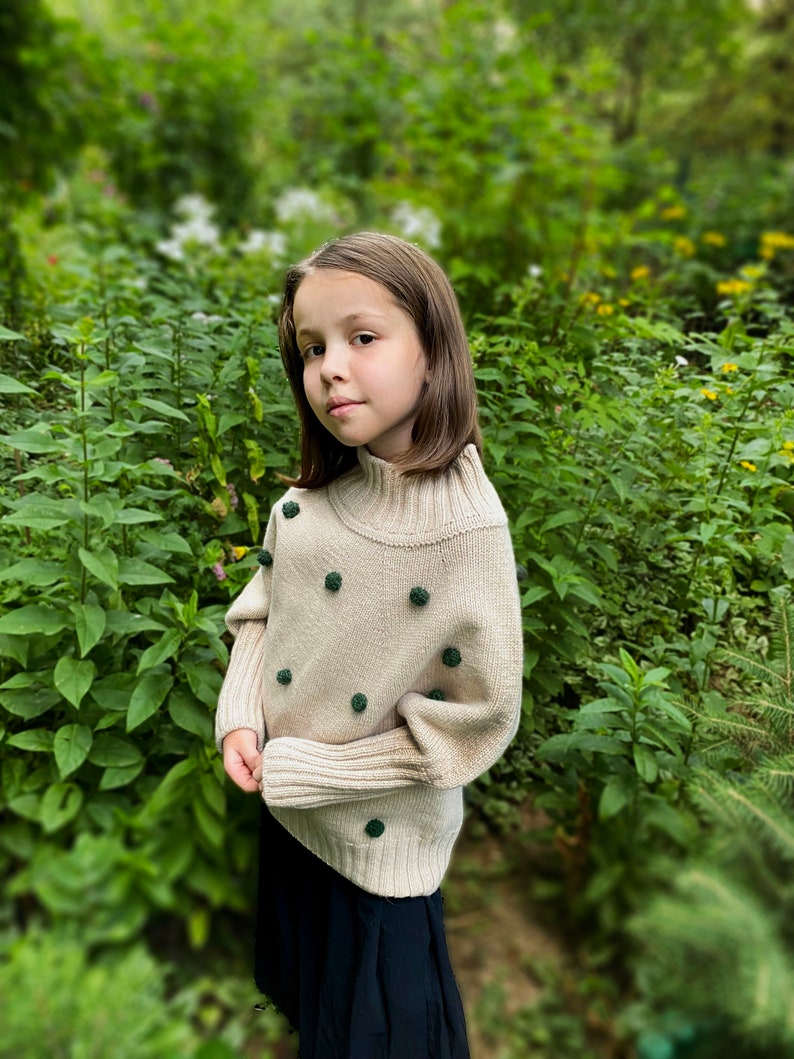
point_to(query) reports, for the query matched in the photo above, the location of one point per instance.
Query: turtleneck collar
(377, 501)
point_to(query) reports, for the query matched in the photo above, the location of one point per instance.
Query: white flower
(682, 362)
(171, 248)
(298, 204)
(534, 271)
(272, 243)
(213, 319)
(417, 222)
(194, 208)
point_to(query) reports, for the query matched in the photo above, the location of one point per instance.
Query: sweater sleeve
(442, 743)
(240, 699)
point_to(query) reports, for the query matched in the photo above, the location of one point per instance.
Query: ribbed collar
(378, 502)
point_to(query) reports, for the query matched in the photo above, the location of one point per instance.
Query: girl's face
(363, 363)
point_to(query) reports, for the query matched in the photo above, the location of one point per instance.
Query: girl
(377, 659)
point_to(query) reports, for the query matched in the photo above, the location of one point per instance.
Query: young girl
(378, 655)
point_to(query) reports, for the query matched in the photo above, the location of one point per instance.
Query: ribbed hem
(408, 859)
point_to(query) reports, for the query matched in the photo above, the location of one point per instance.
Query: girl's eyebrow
(352, 318)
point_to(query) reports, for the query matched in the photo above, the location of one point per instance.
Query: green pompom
(375, 828)
(284, 676)
(359, 702)
(451, 657)
(438, 694)
(333, 581)
(290, 509)
(419, 596)
(264, 558)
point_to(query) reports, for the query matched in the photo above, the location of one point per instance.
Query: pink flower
(219, 572)
(234, 499)
(557, 409)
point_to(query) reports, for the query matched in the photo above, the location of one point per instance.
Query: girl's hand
(241, 758)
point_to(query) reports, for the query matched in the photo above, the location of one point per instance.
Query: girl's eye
(310, 352)
(363, 340)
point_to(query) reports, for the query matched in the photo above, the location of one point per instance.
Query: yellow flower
(673, 213)
(684, 246)
(747, 465)
(591, 298)
(752, 272)
(604, 310)
(714, 238)
(733, 286)
(640, 272)
(771, 242)
(788, 446)
(239, 552)
(712, 396)
(729, 390)
(730, 367)
(624, 302)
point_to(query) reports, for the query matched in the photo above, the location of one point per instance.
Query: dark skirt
(358, 976)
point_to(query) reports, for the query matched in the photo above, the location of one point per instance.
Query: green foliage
(728, 910)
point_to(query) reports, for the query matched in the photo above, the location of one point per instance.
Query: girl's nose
(336, 362)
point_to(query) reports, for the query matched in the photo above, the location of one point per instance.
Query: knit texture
(421, 636)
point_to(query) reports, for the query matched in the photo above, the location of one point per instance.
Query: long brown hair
(446, 419)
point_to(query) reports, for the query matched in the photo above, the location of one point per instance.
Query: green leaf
(561, 518)
(646, 763)
(10, 385)
(115, 777)
(205, 682)
(167, 542)
(188, 713)
(33, 618)
(90, 624)
(163, 409)
(138, 572)
(36, 440)
(148, 696)
(39, 573)
(60, 804)
(787, 556)
(72, 744)
(208, 824)
(113, 691)
(29, 702)
(102, 563)
(39, 740)
(9, 336)
(159, 652)
(132, 516)
(73, 678)
(113, 751)
(616, 794)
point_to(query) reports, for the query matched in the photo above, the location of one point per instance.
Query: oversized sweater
(378, 657)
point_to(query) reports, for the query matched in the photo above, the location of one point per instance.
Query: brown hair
(446, 420)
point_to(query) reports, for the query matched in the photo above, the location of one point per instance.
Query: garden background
(610, 187)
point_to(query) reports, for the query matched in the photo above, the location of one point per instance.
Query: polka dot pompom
(290, 509)
(451, 657)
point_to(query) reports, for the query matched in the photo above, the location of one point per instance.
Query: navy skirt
(358, 976)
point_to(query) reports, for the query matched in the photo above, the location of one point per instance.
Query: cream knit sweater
(378, 657)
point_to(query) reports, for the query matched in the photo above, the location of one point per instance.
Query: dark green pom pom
(359, 702)
(419, 596)
(375, 828)
(438, 694)
(290, 509)
(264, 558)
(451, 657)
(333, 581)
(284, 676)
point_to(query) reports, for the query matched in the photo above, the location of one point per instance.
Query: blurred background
(611, 189)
